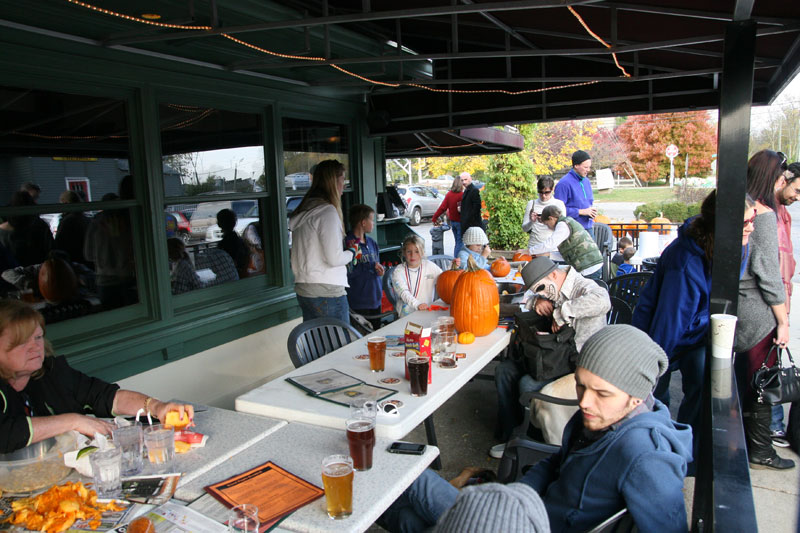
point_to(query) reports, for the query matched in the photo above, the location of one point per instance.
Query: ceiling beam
(501, 53)
(743, 9)
(371, 16)
(691, 13)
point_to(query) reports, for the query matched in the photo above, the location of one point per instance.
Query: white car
(214, 233)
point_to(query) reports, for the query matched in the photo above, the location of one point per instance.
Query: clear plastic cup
(160, 444)
(243, 519)
(106, 468)
(130, 440)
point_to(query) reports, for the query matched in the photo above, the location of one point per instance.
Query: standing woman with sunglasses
(763, 321)
(673, 307)
(531, 222)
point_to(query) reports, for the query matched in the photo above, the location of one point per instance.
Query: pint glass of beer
(361, 439)
(337, 478)
(377, 353)
(418, 375)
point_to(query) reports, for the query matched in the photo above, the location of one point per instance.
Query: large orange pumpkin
(446, 282)
(635, 226)
(476, 302)
(660, 219)
(500, 267)
(57, 280)
(521, 256)
(602, 219)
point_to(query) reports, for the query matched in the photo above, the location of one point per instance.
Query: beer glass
(418, 375)
(160, 444)
(337, 479)
(361, 439)
(377, 353)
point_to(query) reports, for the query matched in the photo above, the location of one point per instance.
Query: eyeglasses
(550, 191)
(751, 220)
(783, 160)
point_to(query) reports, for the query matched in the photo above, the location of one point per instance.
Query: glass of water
(243, 519)
(106, 466)
(130, 440)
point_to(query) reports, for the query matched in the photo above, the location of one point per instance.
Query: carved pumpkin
(476, 303)
(521, 256)
(446, 282)
(660, 219)
(500, 267)
(57, 280)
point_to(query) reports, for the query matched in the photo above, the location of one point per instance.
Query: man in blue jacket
(621, 450)
(575, 190)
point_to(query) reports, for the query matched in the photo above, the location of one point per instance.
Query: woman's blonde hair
(324, 186)
(19, 320)
(417, 241)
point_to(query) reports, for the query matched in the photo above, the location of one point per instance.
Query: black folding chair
(628, 287)
(620, 312)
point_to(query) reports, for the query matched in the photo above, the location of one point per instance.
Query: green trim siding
(164, 328)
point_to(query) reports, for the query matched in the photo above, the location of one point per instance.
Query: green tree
(474, 164)
(509, 188)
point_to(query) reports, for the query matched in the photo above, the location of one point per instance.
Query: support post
(723, 499)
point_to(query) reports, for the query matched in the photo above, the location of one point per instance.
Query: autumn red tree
(646, 137)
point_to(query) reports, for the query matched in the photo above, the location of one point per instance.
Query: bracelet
(147, 404)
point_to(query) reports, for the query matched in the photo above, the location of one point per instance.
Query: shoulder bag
(776, 385)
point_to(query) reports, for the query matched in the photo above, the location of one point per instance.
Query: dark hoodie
(639, 463)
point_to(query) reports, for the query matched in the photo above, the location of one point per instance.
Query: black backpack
(543, 354)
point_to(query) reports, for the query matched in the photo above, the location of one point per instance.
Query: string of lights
(345, 71)
(593, 34)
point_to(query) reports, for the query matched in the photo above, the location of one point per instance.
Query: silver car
(421, 202)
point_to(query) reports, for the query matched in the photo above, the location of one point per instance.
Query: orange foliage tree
(646, 137)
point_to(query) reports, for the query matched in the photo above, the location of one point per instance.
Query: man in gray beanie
(575, 190)
(621, 450)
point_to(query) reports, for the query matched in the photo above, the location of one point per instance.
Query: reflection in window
(210, 151)
(305, 144)
(62, 151)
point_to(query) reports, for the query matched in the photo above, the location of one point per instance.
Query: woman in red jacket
(452, 202)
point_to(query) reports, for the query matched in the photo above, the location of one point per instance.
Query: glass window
(306, 143)
(58, 153)
(208, 152)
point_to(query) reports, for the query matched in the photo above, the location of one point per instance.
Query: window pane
(305, 144)
(208, 151)
(53, 142)
(57, 150)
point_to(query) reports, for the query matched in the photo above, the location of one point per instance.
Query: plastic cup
(361, 440)
(364, 408)
(243, 519)
(106, 468)
(377, 353)
(337, 479)
(448, 322)
(130, 441)
(160, 443)
(418, 375)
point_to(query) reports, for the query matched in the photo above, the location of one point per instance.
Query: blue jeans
(777, 419)
(322, 307)
(692, 364)
(421, 505)
(512, 381)
(456, 227)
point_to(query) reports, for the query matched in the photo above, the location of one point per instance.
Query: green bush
(674, 211)
(510, 185)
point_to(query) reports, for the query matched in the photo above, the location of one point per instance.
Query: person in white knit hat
(476, 245)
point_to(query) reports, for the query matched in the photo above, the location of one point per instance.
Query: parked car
(214, 233)
(184, 226)
(205, 215)
(421, 202)
(298, 180)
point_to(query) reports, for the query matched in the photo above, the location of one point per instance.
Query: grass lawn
(641, 195)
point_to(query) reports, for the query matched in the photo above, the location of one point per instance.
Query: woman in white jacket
(531, 223)
(319, 261)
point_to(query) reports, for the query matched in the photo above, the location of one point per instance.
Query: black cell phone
(408, 448)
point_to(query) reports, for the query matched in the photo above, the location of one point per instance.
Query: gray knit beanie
(626, 357)
(492, 508)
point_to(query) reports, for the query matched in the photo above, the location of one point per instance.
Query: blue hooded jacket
(673, 307)
(576, 193)
(639, 464)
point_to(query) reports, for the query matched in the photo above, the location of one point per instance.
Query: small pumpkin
(466, 337)
(660, 219)
(446, 282)
(500, 267)
(57, 280)
(476, 303)
(521, 256)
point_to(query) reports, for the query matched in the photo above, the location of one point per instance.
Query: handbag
(776, 385)
(544, 355)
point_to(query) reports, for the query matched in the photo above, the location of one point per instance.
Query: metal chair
(441, 260)
(602, 283)
(519, 455)
(628, 287)
(620, 522)
(314, 338)
(620, 312)
(604, 238)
